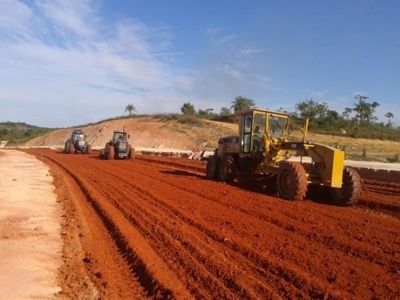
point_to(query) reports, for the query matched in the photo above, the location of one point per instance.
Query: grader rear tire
(110, 152)
(292, 181)
(212, 167)
(227, 169)
(350, 191)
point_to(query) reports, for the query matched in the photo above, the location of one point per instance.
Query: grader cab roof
(264, 111)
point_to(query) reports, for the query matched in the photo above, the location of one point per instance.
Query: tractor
(77, 143)
(262, 148)
(118, 147)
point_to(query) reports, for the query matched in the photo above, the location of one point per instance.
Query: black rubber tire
(291, 181)
(351, 188)
(110, 152)
(227, 169)
(131, 153)
(66, 147)
(71, 148)
(88, 149)
(212, 167)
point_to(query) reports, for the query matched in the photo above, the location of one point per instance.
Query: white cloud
(251, 51)
(243, 76)
(218, 36)
(62, 55)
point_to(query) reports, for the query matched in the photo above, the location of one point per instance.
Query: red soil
(156, 227)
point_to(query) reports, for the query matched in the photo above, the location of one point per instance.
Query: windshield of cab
(118, 136)
(277, 126)
(78, 137)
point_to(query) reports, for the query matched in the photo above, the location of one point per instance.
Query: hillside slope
(146, 132)
(172, 134)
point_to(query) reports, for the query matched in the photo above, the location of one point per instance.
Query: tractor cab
(119, 136)
(259, 128)
(77, 135)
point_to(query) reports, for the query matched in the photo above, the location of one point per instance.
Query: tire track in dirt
(150, 172)
(222, 241)
(384, 196)
(141, 278)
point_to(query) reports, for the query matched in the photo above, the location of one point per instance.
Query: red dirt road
(154, 227)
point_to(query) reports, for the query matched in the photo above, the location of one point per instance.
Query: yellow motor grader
(262, 147)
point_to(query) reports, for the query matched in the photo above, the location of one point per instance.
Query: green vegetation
(18, 132)
(130, 109)
(358, 121)
(241, 103)
(188, 109)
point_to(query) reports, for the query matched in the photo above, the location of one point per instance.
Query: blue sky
(70, 62)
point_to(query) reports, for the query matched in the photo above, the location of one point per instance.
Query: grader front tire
(350, 191)
(292, 181)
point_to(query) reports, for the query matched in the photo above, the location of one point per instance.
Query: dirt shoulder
(30, 240)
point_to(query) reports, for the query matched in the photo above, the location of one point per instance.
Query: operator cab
(119, 136)
(257, 126)
(77, 135)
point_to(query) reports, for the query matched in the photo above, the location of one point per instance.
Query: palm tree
(130, 108)
(242, 103)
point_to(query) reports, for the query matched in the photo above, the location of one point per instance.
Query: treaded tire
(212, 167)
(350, 191)
(227, 169)
(66, 147)
(131, 153)
(110, 152)
(88, 149)
(292, 181)
(71, 148)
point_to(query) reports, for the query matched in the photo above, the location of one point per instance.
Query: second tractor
(118, 147)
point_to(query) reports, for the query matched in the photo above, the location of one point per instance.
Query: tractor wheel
(71, 148)
(66, 145)
(88, 149)
(110, 152)
(292, 181)
(212, 167)
(227, 169)
(131, 153)
(351, 188)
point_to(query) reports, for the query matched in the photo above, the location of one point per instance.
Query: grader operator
(262, 147)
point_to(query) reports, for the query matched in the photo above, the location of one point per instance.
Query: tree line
(357, 121)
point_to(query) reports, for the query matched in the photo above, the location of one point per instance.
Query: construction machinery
(77, 143)
(118, 147)
(262, 147)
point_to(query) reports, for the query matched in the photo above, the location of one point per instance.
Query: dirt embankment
(151, 133)
(156, 228)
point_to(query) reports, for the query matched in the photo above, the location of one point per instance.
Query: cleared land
(30, 240)
(154, 227)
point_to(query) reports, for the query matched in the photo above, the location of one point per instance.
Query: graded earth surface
(154, 227)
